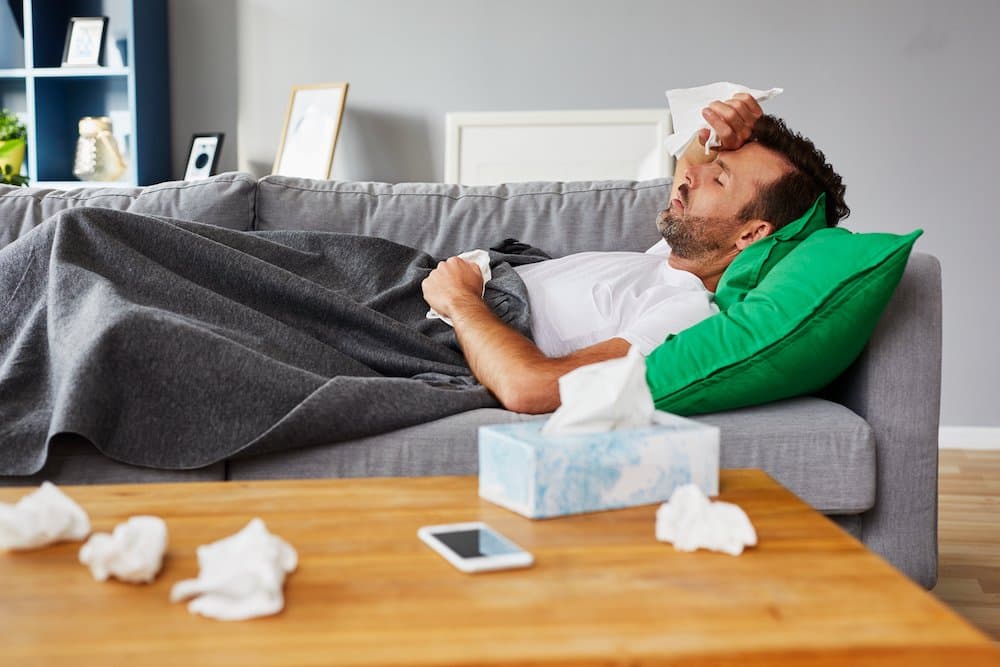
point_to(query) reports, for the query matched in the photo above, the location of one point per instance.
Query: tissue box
(543, 476)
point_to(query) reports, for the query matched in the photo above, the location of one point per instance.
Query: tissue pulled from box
(686, 105)
(606, 396)
(132, 553)
(40, 518)
(691, 521)
(240, 576)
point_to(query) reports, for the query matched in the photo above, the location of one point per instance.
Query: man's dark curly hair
(790, 196)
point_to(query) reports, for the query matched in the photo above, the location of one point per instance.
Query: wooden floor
(969, 536)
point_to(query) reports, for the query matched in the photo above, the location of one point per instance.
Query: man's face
(702, 219)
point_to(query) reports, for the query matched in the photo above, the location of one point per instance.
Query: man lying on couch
(175, 344)
(764, 177)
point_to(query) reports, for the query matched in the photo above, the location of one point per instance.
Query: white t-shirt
(589, 297)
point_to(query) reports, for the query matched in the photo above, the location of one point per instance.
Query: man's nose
(694, 175)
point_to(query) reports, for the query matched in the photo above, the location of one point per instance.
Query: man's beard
(692, 236)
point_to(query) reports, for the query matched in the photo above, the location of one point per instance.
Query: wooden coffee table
(368, 592)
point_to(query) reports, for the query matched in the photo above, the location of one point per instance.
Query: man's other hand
(452, 281)
(732, 120)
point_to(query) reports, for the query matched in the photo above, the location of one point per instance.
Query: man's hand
(732, 120)
(451, 282)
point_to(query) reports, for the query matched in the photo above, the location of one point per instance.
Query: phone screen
(476, 543)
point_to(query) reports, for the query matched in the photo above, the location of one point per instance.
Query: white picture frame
(85, 36)
(486, 148)
(312, 126)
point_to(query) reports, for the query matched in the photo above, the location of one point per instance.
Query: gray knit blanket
(175, 345)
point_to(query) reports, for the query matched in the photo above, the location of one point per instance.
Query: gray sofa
(864, 453)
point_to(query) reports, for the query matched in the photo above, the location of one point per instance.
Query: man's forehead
(755, 160)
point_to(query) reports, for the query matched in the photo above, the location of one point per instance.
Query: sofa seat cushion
(443, 447)
(226, 200)
(445, 220)
(820, 450)
(73, 460)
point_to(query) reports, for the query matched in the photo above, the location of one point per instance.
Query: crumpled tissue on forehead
(686, 105)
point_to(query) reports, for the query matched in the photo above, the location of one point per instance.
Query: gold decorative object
(97, 155)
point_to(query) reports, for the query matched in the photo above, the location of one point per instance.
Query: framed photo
(312, 125)
(485, 148)
(84, 41)
(203, 157)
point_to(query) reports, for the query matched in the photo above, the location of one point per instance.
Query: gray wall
(901, 94)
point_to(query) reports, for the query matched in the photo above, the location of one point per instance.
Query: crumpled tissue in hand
(481, 258)
(133, 553)
(691, 521)
(241, 576)
(42, 517)
(686, 105)
(605, 396)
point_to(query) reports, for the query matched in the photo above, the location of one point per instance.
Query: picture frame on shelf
(312, 125)
(203, 157)
(85, 36)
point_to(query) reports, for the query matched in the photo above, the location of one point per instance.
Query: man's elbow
(529, 395)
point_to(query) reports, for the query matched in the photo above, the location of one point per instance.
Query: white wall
(902, 95)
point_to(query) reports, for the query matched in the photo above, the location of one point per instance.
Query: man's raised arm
(521, 377)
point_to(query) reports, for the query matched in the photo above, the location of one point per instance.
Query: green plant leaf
(11, 127)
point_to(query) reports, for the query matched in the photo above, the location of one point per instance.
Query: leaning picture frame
(312, 126)
(85, 36)
(203, 156)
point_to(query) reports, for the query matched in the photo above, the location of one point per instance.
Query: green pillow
(757, 259)
(805, 323)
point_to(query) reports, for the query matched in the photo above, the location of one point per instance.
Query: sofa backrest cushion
(793, 334)
(443, 219)
(226, 200)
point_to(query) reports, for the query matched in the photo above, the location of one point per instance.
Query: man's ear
(753, 230)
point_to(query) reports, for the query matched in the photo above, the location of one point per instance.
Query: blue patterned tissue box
(543, 476)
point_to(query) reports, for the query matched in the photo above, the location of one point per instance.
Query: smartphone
(474, 547)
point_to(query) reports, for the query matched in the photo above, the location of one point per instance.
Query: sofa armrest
(895, 385)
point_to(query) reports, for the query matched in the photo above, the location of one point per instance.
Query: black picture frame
(203, 160)
(95, 61)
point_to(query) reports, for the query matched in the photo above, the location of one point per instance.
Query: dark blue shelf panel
(49, 21)
(132, 79)
(152, 94)
(59, 106)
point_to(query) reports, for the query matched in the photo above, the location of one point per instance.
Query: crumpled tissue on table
(42, 517)
(686, 105)
(481, 258)
(241, 576)
(605, 396)
(133, 553)
(691, 521)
